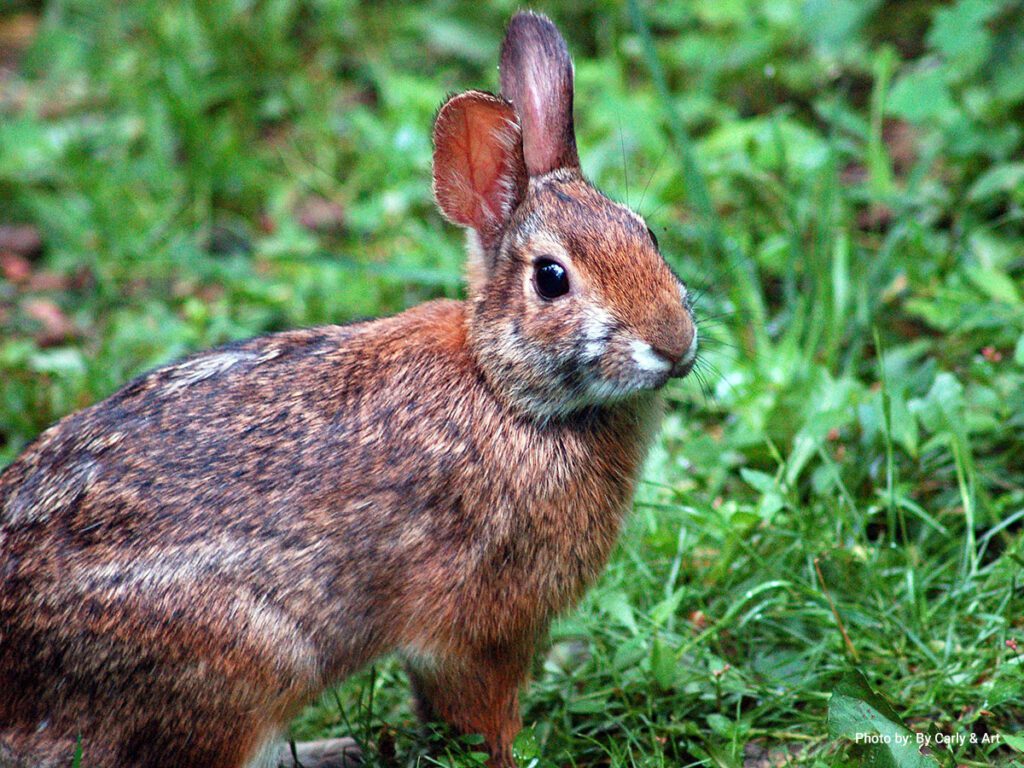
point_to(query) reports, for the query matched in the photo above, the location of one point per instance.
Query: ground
(827, 544)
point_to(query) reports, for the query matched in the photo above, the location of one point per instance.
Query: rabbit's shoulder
(255, 411)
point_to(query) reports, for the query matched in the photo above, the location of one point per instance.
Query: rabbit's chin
(601, 392)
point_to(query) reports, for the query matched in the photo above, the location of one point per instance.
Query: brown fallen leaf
(82, 279)
(56, 327)
(992, 354)
(266, 224)
(21, 239)
(16, 34)
(901, 139)
(756, 755)
(15, 268)
(853, 175)
(318, 214)
(49, 281)
(876, 217)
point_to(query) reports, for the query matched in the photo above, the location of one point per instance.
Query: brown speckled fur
(186, 564)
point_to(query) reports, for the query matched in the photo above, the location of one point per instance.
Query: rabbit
(187, 564)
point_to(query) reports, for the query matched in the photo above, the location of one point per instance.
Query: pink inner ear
(478, 166)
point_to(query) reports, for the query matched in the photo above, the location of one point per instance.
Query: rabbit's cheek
(596, 331)
(612, 378)
(630, 365)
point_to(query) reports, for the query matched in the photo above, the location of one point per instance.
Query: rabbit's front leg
(474, 693)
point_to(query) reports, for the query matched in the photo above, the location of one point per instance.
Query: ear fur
(479, 173)
(537, 77)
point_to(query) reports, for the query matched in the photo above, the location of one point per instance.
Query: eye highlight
(550, 278)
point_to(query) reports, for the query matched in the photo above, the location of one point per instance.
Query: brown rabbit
(188, 563)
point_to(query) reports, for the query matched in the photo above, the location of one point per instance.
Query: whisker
(650, 178)
(715, 324)
(625, 174)
(702, 382)
(657, 210)
(726, 313)
(713, 327)
(732, 355)
(728, 355)
(713, 332)
(721, 376)
(702, 281)
(705, 386)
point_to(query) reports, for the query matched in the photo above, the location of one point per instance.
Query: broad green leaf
(996, 284)
(857, 713)
(941, 410)
(616, 604)
(525, 747)
(904, 423)
(587, 706)
(1000, 179)
(63, 361)
(759, 481)
(922, 96)
(834, 23)
(1014, 740)
(721, 725)
(959, 32)
(629, 653)
(661, 612)
(663, 665)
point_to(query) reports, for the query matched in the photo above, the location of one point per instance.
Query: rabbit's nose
(676, 338)
(672, 354)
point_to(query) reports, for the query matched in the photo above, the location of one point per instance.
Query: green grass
(841, 485)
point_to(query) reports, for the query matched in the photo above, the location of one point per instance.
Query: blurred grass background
(840, 487)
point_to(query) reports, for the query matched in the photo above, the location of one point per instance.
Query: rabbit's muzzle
(686, 361)
(671, 344)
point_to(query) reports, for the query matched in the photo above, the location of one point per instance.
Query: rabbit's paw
(325, 753)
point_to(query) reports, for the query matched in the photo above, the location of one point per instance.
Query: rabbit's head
(571, 303)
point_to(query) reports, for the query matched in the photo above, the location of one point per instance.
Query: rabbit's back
(232, 532)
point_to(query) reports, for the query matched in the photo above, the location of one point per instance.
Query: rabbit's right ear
(479, 173)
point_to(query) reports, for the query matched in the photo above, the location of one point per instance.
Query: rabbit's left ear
(537, 77)
(479, 173)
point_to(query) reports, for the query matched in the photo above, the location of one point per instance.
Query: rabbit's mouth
(688, 360)
(656, 367)
(683, 369)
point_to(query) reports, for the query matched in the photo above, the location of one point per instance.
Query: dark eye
(654, 239)
(550, 278)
